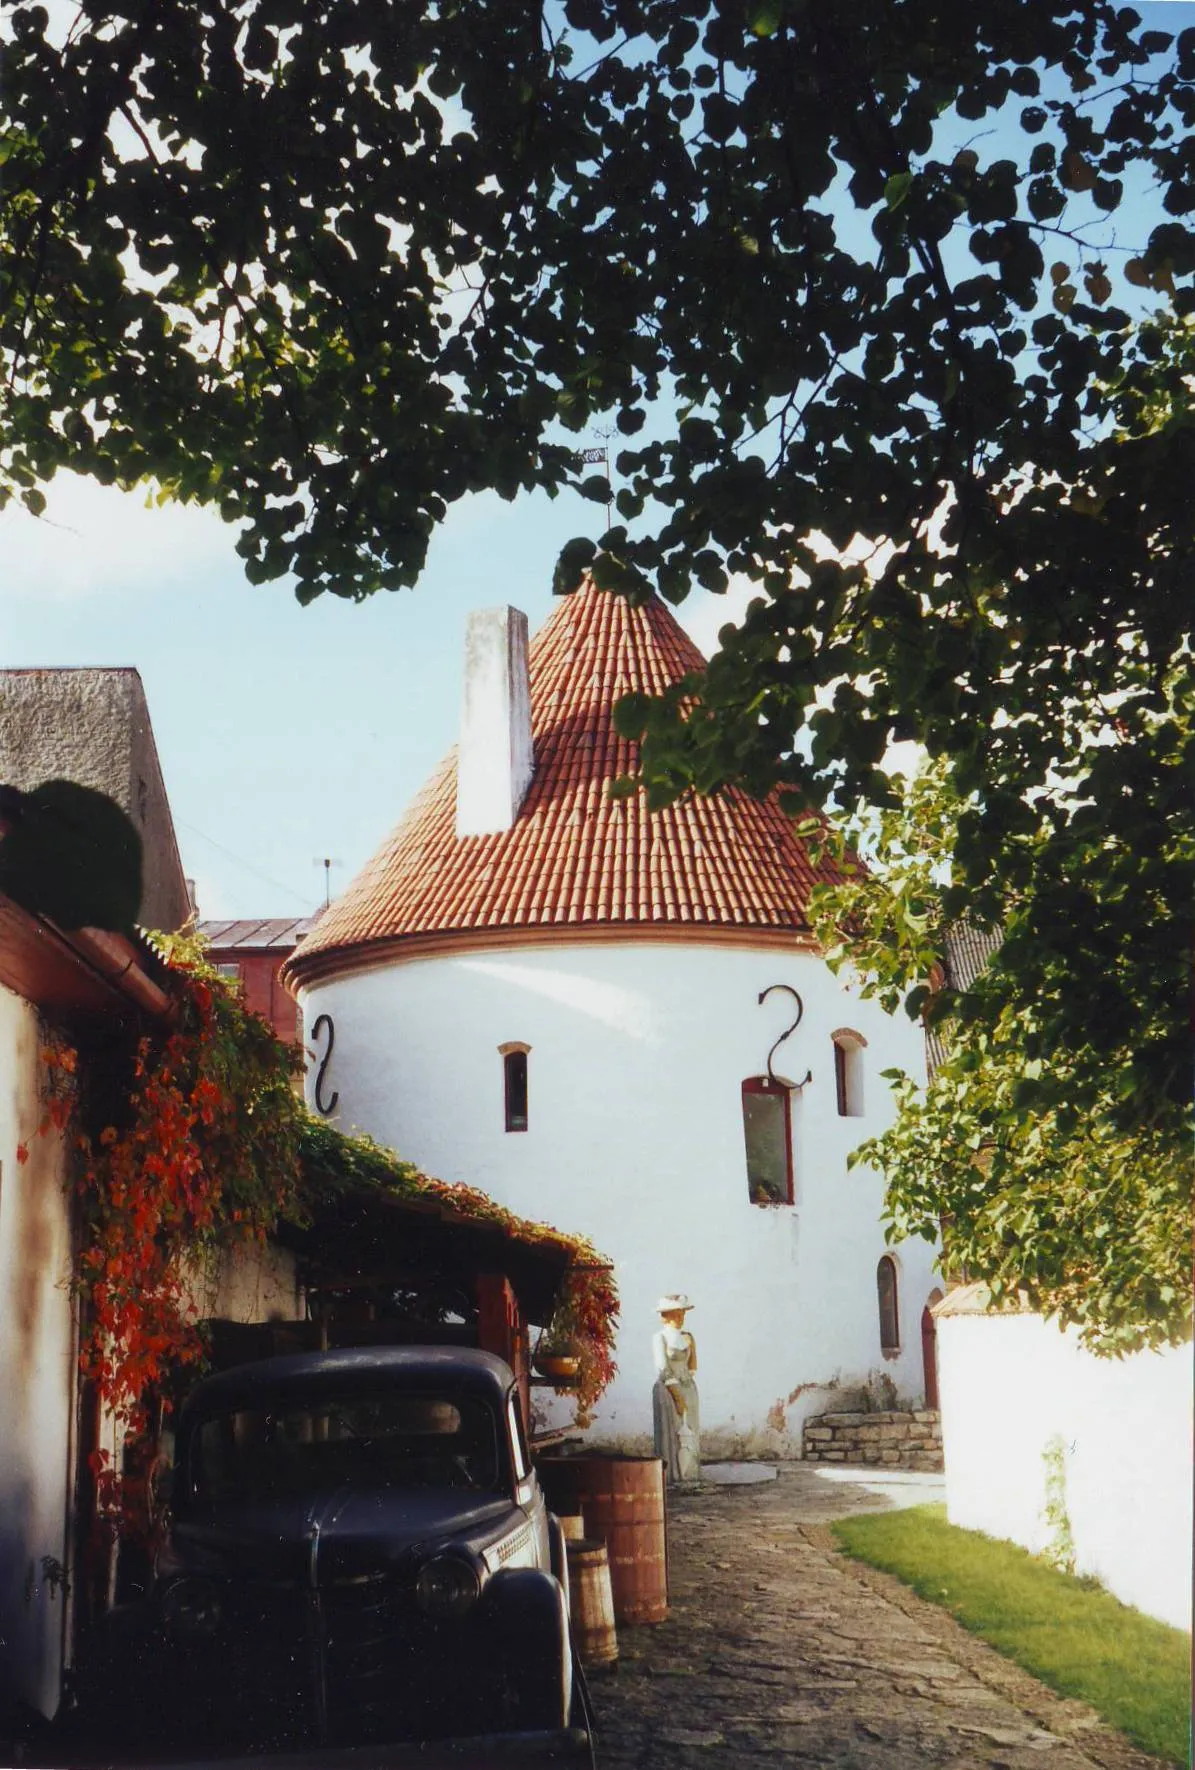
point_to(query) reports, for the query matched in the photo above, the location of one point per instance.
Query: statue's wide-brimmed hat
(675, 1301)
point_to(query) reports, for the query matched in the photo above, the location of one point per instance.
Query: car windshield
(389, 1439)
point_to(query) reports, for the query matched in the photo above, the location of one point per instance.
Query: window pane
(889, 1316)
(518, 1441)
(370, 1440)
(766, 1128)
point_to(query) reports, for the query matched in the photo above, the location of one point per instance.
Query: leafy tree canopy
(1031, 1156)
(874, 271)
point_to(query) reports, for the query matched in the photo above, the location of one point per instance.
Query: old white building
(569, 1002)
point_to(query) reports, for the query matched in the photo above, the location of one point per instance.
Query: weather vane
(600, 457)
(327, 862)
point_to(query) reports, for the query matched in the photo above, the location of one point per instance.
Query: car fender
(530, 1606)
(558, 1550)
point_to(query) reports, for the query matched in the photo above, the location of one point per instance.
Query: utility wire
(248, 865)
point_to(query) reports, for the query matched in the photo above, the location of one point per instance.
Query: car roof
(358, 1367)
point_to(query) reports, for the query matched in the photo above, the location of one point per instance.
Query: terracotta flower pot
(561, 1367)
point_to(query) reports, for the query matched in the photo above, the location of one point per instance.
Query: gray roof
(965, 954)
(258, 934)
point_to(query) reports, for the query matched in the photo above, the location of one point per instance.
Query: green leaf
(764, 17)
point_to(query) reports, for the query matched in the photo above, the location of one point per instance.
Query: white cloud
(95, 540)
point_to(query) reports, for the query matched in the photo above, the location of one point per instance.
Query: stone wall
(893, 1440)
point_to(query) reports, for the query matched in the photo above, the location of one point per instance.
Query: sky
(287, 735)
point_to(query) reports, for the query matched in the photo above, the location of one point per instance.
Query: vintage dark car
(359, 1552)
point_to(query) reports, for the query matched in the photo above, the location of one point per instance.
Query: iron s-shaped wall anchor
(324, 1023)
(787, 1033)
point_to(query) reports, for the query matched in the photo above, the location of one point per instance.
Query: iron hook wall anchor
(324, 1023)
(787, 1033)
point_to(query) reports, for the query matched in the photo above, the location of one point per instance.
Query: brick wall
(262, 987)
(892, 1440)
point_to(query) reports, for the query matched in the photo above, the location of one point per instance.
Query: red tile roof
(576, 862)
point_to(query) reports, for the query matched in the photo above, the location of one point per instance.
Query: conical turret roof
(577, 864)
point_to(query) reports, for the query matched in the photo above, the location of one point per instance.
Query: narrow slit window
(768, 1135)
(889, 1307)
(848, 1073)
(514, 1073)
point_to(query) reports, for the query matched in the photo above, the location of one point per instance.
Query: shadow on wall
(31, 1599)
(70, 853)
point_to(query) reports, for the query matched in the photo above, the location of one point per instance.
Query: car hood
(349, 1529)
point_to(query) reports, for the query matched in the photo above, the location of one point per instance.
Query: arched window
(929, 1347)
(514, 1084)
(848, 1072)
(889, 1307)
(768, 1133)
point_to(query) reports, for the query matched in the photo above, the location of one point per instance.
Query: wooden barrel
(572, 1526)
(591, 1603)
(622, 1499)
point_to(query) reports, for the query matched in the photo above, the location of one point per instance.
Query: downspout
(116, 960)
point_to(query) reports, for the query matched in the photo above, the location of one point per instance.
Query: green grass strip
(1074, 1636)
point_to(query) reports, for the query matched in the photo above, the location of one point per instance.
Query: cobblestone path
(779, 1650)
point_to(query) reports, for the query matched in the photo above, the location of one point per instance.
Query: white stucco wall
(1010, 1384)
(246, 1282)
(37, 1371)
(638, 1052)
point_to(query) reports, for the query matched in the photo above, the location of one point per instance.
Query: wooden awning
(365, 1238)
(86, 971)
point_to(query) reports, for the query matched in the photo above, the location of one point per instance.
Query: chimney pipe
(496, 763)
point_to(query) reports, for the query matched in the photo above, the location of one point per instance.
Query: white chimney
(496, 762)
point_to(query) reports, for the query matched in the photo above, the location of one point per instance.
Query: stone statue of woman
(675, 1408)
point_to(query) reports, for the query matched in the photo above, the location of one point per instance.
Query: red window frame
(763, 1085)
(888, 1297)
(840, 1079)
(514, 1090)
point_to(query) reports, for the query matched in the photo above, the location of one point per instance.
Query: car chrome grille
(512, 1546)
(373, 1636)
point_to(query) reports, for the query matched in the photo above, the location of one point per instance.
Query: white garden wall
(635, 1139)
(1012, 1384)
(37, 1373)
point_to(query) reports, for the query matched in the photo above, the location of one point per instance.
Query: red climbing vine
(195, 1147)
(191, 1138)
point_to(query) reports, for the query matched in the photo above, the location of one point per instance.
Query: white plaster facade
(37, 1373)
(247, 1282)
(1012, 1387)
(638, 1050)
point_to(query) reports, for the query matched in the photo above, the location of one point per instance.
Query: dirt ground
(780, 1650)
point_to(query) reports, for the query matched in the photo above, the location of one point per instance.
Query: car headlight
(192, 1609)
(447, 1585)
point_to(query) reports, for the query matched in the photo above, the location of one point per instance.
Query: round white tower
(569, 1001)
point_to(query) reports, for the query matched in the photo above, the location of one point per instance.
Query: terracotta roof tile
(574, 856)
